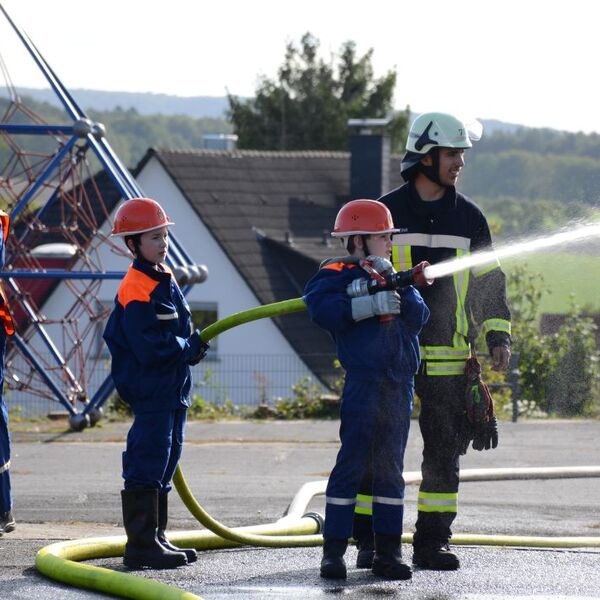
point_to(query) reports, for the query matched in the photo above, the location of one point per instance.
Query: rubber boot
(366, 552)
(140, 519)
(7, 523)
(362, 532)
(163, 518)
(332, 563)
(436, 557)
(388, 562)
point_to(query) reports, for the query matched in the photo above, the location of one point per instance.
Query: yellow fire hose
(61, 561)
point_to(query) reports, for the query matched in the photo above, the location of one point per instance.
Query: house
(260, 222)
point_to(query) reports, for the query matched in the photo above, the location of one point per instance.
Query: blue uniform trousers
(375, 420)
(5, 493)
(154, 446)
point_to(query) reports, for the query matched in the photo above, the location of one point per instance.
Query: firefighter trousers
(440, 421)
(375, 420)
(154, 446)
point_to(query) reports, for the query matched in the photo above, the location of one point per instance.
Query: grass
(565, 274)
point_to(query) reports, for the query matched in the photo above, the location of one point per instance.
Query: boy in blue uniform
(7, 522)
(152, 344)
(376, 341)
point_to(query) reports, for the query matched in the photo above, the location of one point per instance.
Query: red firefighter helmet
(139, 215)
(363, 217)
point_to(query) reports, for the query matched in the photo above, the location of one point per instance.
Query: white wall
(254, 361)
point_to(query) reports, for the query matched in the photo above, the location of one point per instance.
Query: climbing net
(59, 199)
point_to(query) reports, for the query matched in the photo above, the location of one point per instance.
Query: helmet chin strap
(432, 171)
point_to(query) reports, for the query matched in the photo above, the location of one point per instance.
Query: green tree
(308, 106)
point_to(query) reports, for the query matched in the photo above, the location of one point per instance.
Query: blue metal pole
(40, 180)
(13, 128)
(102, 393)
(66, 99)
(60, 274)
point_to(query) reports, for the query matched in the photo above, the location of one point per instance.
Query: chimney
(219, 141)
(369, 158)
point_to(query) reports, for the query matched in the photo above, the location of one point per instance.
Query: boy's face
(380, 244)
(154, 245)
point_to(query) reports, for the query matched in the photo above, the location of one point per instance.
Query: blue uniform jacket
(368, 348)
(147, 335)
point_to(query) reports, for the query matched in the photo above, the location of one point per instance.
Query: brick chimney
(370, 158)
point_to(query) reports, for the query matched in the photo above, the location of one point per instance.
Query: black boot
(362, 532)
(388, 561)
(436, 557)
(7, 522)
(332, 563)
(140, 519)
(163, 518)
(366, 552)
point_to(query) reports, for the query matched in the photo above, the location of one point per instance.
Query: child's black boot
(332, 563)
(388, 562)
(163, 519)
(140, 519)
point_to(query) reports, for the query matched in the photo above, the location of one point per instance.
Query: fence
(244, 380)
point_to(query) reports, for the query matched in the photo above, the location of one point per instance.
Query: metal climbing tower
(60, 182)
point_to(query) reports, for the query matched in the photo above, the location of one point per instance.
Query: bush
(309, 401)
(558, 373)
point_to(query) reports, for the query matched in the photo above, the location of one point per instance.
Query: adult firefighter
(7, 522)
(437, 223)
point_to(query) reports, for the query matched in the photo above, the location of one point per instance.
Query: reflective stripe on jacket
(445, 229)
(147, 335)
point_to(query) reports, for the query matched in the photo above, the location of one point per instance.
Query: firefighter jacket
(369, 349)
(148, 335)
(6, 321)
(460, 304)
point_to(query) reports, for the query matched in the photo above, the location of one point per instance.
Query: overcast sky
(531, 62)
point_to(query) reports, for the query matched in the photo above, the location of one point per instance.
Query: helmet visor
(474, 129)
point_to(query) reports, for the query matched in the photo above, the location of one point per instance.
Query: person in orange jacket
(7, 521)
(152, 345)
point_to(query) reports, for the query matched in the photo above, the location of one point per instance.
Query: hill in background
(197, 107)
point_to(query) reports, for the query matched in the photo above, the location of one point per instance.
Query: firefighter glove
(480, 419)
(380, 264)
(381, 303)
(197, 349)
(485, 435)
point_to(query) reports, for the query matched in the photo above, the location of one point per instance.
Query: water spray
(449, 267)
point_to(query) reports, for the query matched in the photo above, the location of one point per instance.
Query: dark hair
(136, 239)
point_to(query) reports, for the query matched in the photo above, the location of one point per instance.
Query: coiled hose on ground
(63, 561)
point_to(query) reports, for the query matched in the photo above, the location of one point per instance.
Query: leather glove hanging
(481, 425)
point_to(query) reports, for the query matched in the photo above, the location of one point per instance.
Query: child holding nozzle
(152, 344)
(376, 340)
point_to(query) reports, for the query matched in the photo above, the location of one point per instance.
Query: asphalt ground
(66, 486)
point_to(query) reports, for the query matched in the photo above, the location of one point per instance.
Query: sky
(530, 62)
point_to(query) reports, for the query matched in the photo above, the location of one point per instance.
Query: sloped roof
(271, 213)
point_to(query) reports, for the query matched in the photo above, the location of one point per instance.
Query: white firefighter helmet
(437, 130)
